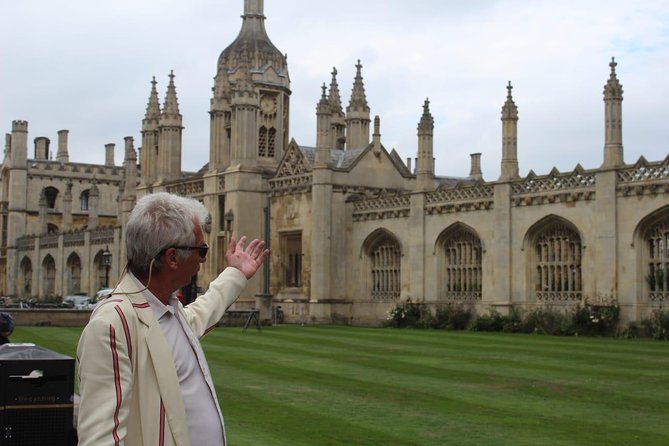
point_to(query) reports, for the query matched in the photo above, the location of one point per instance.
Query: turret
(357, 114)
(425, 159)
(169, 135)
(149, 155)
(244, 110)
(509, 138)
(613, 120)
(42, 148)
(337, 117)
(323, 120)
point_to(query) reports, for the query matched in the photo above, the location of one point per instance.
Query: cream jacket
(130, 393)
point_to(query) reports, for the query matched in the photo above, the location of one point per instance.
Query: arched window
(51, 193)
(271, 142)
(25, 278)
(51, 228)
(73, 274)
(84, 199)
(385, 266)
(657, 261)
(461, 272)
(49, 278)
(557, 269)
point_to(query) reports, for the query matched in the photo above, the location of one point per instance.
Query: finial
(171, 75)
(323, 87)
(426, 105)
(358, 65)
(334, 72)
(509, 87)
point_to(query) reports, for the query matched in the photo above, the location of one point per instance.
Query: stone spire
(613, 114)
(171, 105)
(509, 137)
(357, 114)
(169, 135)
(334, 98)
(425, 159)
(153, 107)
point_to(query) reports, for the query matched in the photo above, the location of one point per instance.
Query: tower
(251, 78)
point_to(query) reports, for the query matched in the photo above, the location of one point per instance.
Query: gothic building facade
(354, 229)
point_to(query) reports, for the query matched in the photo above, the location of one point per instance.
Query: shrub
(409, 314)
(452, 316)
(657, 326)
(596, 317)
(548, 321)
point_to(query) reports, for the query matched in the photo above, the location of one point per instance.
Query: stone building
(353, 228)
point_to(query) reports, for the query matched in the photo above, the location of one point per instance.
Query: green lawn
(334, 385)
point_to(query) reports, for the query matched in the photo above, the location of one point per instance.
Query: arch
(100, 276)
(459, 253)
(383, 265)
(554, 247)
(25, 279)
(652, 243)
(73, 274)
(51, 194)
(48, 280)
(52, 228)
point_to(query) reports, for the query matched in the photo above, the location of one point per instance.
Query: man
(6, 327)
(143, 378)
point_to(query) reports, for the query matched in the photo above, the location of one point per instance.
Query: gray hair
(157, 222)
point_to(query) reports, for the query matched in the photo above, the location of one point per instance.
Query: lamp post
(106, 262)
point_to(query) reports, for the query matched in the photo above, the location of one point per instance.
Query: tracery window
(657, 261)
(292, 244)
(51, 194)
(385, 257)
(49, 278)
(74, 274)
(462, 273)
(558, 264)
(25, 278)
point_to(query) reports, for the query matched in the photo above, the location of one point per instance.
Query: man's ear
(170, 259)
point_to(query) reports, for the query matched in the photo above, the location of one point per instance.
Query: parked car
(75, 301)
(103, 293)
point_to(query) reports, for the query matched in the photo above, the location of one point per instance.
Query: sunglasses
(202, 250)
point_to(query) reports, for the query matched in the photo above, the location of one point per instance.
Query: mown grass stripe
(334, 385)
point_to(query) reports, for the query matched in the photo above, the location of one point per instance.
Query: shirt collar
(159, 308)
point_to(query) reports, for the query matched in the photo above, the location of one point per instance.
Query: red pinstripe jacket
(129, 389)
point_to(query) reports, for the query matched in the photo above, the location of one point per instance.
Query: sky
(86, 66)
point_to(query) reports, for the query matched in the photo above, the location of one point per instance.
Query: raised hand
(247, 259)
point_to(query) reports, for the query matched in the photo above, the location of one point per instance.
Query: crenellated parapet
(20, 126)
(644, 178)
(556, 187)
(379, 208)
(461, 198)
(55, 168)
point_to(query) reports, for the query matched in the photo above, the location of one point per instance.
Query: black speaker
(36, 396)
